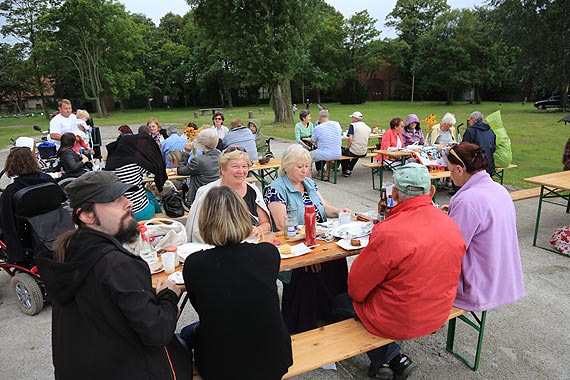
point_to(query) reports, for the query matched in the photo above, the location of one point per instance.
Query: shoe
(402, 366)
(346, 174)
(384, 372)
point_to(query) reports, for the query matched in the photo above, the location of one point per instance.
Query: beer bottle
(382, 204)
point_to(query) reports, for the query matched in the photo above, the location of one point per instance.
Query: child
(81, 131)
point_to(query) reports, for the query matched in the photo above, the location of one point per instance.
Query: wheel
(26, 291)
(541, 107)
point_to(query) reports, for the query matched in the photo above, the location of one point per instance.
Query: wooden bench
(499, 173)
(335, 166)
(519, 195)
(206, 111)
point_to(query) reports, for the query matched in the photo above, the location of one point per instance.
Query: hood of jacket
(86, 248)
(480, 125)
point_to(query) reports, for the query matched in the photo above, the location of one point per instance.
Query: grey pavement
(528, 339)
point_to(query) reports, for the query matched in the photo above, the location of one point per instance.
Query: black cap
(96, 187)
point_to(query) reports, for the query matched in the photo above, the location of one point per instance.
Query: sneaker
(402, 366)
(346, 174)
(384, 372)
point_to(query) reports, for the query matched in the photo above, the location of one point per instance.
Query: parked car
(552, 102)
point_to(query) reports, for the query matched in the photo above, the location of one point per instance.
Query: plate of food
(351, 244)
(288, 251)
(176, 277)
(187, 249)
(352, 230)
(155, 267)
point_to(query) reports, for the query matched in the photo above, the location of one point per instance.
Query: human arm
(264, 221)
(466, 218)
(71, 161)
(188, 167)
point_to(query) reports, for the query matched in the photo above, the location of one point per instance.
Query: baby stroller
(40, 219)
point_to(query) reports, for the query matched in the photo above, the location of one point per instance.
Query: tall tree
(24, 21)
(541, 30)
(264, 38)
(15, 82)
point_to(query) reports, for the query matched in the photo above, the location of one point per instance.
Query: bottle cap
(142, 228)
(171, 249)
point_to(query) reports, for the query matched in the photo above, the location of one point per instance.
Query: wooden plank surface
(560, 180)
(525, 194)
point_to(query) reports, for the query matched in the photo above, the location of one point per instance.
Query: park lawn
(537, 138)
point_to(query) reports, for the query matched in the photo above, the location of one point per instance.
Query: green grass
(536, 136)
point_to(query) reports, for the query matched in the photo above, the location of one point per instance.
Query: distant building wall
(381, 84)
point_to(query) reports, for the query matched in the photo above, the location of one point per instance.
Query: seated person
(173, 142)
(23, 167)
(260, 138)
(240, 135)
(304, 130)
(233, 288)
(402, 286)
(357, 143)
(328, 137)
(444, 132)
(308, 296)
(392, 138)
(71, 164)
(201, 169)
(412, 131)
(134, 156)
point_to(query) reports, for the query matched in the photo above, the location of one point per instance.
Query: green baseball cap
(412, 179)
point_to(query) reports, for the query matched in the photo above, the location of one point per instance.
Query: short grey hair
(448, 118)
(403, 196)
(207, 139)
(293, 154)
(172, 129)
(323, 113)
(478, 116)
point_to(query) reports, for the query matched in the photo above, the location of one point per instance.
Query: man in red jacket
(402, 285)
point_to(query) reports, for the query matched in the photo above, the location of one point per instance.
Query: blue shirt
(173, 142)
(328, 137)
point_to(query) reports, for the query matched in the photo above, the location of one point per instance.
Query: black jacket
(108, 322)
(71, 163)
(482, 135)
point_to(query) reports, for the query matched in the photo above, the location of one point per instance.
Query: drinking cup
(268, 236)
(168, 261)
(344, 217)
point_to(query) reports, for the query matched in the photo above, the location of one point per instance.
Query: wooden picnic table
(552, 186)
(265, 173)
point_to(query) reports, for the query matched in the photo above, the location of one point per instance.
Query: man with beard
(108, 322)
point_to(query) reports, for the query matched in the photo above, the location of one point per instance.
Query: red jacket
(389, 139)
(403, 283)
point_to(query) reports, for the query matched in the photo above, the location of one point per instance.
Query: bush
(352, 92)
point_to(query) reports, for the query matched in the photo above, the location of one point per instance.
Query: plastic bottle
(310, 225)
(382, 204)
(291, 222)
(390, 204)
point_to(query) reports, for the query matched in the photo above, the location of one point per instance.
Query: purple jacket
(491, 274)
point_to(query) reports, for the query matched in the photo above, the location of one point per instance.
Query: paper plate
(187, 249)
(296, 250)
(345, 243)
(352, 230)
(177, 277)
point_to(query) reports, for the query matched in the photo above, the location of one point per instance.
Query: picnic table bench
(206, 111)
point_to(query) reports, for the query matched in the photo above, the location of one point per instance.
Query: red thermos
(310, 226)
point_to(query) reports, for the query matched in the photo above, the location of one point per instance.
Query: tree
(541, 30)
(15, 82)
(264, 39)
(25, 22)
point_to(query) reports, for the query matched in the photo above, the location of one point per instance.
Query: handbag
(172, 204)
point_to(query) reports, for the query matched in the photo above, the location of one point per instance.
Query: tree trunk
(449, 97)
(122, 105)
(477, 95)
(98, 107)
(229, 98)
(318, 96)
(103, 105)
(282, 101)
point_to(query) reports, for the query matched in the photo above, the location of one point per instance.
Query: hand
(316, 268)
(344, 209)
(188, 147)
(255, 233)
(167, 284)
(84, 158)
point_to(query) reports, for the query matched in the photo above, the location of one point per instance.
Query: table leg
(538, 215)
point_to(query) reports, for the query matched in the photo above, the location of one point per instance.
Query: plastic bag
(560, 240)
(168, 232)
(503, 154)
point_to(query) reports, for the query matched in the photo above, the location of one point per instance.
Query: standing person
(219, 127)
(444, 132)
(155, 130)
(61, 123)
(294, 109)
(566, 156)
(412, 131)
(308, 293)
(403, 286)
(173, 142)
(233, 289)
(241, 135)
(108, 322)
(491, 275)
(328, 137)
(307, 104)
(304, 130)
(480, 133)
(357, 144)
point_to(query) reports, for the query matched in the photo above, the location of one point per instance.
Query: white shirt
(61, 125)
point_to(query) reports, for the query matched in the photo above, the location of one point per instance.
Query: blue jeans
(188, 335)
(378, 356)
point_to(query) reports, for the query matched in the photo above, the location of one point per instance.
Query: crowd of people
(399, 288)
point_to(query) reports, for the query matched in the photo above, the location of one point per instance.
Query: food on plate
(355, 242)
(363, 218)
(285, 249)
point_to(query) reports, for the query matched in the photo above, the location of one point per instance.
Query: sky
(377, 9)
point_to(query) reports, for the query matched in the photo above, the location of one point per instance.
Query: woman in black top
(72, 164)
(241, 334)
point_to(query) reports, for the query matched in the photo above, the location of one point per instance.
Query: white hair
(448, 118)
(478, 116)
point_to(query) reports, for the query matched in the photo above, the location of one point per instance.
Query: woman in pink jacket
(392, 137)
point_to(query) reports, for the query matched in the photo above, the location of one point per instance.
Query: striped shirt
(133, 174)
(328, 138)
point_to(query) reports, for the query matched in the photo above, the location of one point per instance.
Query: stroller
(40, 219)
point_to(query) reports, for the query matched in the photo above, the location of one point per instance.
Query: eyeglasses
(218, 118)
(459, 158)
(233, 148)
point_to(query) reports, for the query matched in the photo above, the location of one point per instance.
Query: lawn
(536, 136)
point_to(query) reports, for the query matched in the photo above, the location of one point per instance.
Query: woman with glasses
(491, 274)
(234, 168)
(308, 296)
(232, 286)
(23, 167)
(219, 126)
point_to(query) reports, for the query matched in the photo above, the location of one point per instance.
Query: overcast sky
(378, 9)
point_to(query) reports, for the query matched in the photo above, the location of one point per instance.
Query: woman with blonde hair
(232, 286)
(234, 167)
(155, 130)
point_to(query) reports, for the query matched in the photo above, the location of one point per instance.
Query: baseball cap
(27, 142)
(412, 179)
(96, 187)
(357, 115)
